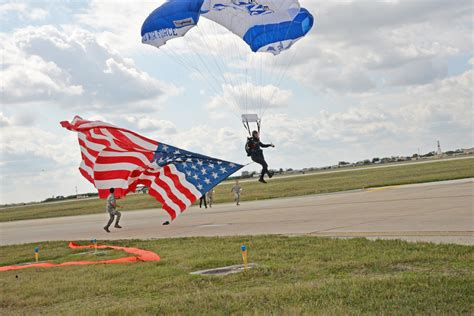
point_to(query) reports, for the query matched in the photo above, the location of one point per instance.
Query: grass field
(295, 275)
(283, 187)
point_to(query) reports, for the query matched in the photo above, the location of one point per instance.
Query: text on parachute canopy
(160, 34)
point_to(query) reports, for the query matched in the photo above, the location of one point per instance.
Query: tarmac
(440, 212)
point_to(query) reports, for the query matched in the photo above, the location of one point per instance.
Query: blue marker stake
(243, 249)
(37, 254)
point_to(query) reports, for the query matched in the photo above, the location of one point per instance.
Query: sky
(371, 79)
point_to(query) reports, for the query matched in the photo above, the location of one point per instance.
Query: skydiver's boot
(270, 174)
(262, 180)
(106, 228)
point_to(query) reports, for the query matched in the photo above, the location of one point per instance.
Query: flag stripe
(88, 142)
(170, 193)
(162, 193)
(184, 182)
(185, 191)
(116, 166)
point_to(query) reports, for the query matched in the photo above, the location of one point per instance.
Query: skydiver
(253, 148)
(112, 210)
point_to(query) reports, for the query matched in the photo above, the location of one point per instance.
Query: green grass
(295, 275)
(283, 187)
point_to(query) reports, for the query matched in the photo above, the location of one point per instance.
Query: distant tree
(280, 171)
(375, 160)
(430, 154)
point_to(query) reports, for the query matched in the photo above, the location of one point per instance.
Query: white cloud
(384, 124)
(358, 46)
(35, 142)
(23, 11)
(149, 124)
(108, 19)
(4, 121)
(67, 65)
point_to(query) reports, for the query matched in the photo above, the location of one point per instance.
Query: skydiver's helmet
(255, 134)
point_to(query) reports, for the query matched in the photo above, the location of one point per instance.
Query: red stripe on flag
(121, 159)
(112, 175)
(96, 140)
(186, 192)
(160, 199)
(90, 151)
(86, 175)
(170, 193)
(87, 161)
(124, 140)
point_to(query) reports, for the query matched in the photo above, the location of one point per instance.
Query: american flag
(114, 157)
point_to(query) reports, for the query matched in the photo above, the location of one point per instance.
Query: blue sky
(372, 79)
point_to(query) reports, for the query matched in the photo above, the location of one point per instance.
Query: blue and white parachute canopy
(265, 25)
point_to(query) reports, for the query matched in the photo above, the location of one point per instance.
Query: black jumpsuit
(256, 153)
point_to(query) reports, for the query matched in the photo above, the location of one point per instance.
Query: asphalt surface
(441, 212)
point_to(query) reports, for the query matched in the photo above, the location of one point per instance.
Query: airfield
(440, 212)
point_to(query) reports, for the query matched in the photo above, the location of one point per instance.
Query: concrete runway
(436, 212)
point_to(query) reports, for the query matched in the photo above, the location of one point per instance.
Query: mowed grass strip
(295, 275)
(276, 188)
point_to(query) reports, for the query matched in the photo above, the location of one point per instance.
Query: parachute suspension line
(248, 118)
(285, 68)
(216, 61)
(205, 41)
(198, 60)
(274, 59)
(189, 67)
(260, 79)
(276, 78)
(220, 68)
(246, 125)
(240, 59)
(181, 61)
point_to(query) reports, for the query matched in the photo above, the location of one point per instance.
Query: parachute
(228, 50)
(266, 26)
